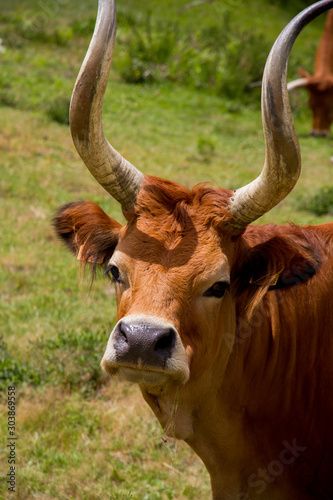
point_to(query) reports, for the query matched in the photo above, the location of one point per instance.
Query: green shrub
(28, 25)
(72, 359)
(206, 147)
(294, 5)
(62, 36)
(148, 51)
(120, 496)
(320, 204)
(84, 27)
(58, 110)
(219, 58)
(14, 371)
(8, 97)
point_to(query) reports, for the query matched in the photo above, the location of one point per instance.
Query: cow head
(321, 104)
(320, 85)
(320, 89)
(177, 262)
(171, 267)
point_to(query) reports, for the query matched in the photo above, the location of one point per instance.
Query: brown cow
(320, 85)
(227, 328)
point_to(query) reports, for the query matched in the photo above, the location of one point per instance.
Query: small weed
(320, 204)
(12, 371)
(8, 97)
(149, 49)
(119, 496)
(83, 27)
(206, 147)
(190, 492)
(58, 110)
(72, 360)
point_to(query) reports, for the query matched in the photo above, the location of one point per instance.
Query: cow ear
(279, 262)
(303, 74)
(87, 231)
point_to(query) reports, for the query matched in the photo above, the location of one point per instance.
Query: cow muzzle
(320, 132)
(146, 350)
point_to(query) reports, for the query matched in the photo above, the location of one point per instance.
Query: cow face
(169, 287)
(321, 104)
(171, 269)
(320, 89)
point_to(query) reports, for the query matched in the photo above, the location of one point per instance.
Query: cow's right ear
(87, 231)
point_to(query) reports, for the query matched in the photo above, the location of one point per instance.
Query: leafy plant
(206, 147)
(72, 359)
(319, 204)
(58, 110)
(148, 50)
(27, 25)
(14, 371)
(219, 58)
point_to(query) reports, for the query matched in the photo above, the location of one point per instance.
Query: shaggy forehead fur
(169, 221)
(175, 205)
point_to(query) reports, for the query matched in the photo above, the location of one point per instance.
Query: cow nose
(144, 345)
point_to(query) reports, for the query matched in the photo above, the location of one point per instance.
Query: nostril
(123, 331)
(166, 341)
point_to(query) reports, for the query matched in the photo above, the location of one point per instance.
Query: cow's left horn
(117, 175)
(295, 84)
(282, 154)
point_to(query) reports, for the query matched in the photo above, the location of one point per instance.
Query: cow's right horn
(282, 154)
(117, 175)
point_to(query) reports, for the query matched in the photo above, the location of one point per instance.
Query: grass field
(80, 436)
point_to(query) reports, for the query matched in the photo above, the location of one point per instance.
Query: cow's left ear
(279, 262)
(87, 231)
(303, 74)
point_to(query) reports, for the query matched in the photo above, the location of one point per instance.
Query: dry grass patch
(70, 448)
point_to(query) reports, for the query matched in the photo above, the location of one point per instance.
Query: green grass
(80, 437)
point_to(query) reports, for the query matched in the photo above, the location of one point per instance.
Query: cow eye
(217, 290)
(113, 272)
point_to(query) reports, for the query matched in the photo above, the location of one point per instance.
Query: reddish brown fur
(278, 257)
(293, 363)
(271, 380)
(85, 227)
(324, 55)
(320, 85)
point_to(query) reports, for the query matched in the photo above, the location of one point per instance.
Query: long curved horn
(300, 82)
(117, 175)
(282, 153)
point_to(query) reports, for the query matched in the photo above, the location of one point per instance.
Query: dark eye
(217, 290)
(113, 272)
